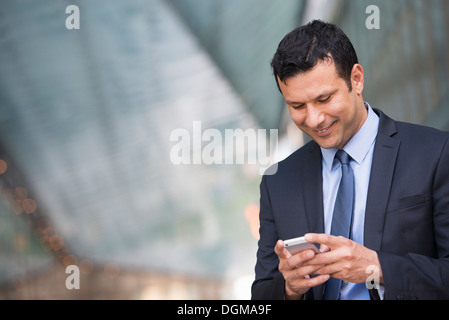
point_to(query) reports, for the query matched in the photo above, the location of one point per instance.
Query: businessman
(372, 192)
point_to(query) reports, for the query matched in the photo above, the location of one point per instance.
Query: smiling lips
(323, 132)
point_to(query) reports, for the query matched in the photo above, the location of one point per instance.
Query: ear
(357, 79)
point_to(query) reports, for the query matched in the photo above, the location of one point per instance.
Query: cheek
(298, 117)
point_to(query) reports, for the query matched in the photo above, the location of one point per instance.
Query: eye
(324, 100)
(297, 107)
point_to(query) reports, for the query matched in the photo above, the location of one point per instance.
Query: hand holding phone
(296, 245)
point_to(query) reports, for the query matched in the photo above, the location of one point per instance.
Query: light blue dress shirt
(360, 148)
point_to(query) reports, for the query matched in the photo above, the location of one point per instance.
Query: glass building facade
(406, 60)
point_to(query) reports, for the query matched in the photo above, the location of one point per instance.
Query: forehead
(322, 78)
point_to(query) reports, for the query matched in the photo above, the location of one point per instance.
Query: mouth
(325, 131)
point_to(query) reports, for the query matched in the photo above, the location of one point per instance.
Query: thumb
(281, 251)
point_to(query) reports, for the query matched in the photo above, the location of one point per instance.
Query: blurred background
(86, 116)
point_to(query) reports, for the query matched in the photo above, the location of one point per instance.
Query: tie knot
(343, 157)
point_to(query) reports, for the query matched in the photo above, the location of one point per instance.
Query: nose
(314, 117)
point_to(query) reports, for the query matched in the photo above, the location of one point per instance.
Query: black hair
(302, 48)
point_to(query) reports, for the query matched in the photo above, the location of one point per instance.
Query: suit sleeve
(425, 277)
(269, 283)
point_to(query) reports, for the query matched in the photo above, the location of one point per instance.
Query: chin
(326, 145)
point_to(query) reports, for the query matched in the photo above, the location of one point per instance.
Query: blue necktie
(342, 217)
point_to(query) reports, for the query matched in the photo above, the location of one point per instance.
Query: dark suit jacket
(406, 219)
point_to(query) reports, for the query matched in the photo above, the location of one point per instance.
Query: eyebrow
(320, 96)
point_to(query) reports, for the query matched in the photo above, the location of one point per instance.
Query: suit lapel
(311, 180)
(312, 186)
(382, 170)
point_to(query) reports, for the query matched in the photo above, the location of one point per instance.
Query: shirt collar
(360, 144)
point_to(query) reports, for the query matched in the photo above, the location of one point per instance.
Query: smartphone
(299, 244)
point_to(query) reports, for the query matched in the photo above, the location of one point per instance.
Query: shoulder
(306, 156)
(418, 145)
(410, 132)
(422, 140)
(420, 132)
(301, 155)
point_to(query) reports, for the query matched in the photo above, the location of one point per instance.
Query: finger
(306, 282)
(303, 284)
(325, 258)
(335, 270)
(326, 239)
(315, 281)
(306, 270)
(324, 248)
(300, 258)
(281, 251)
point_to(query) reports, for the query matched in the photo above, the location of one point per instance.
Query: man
(399, 224)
